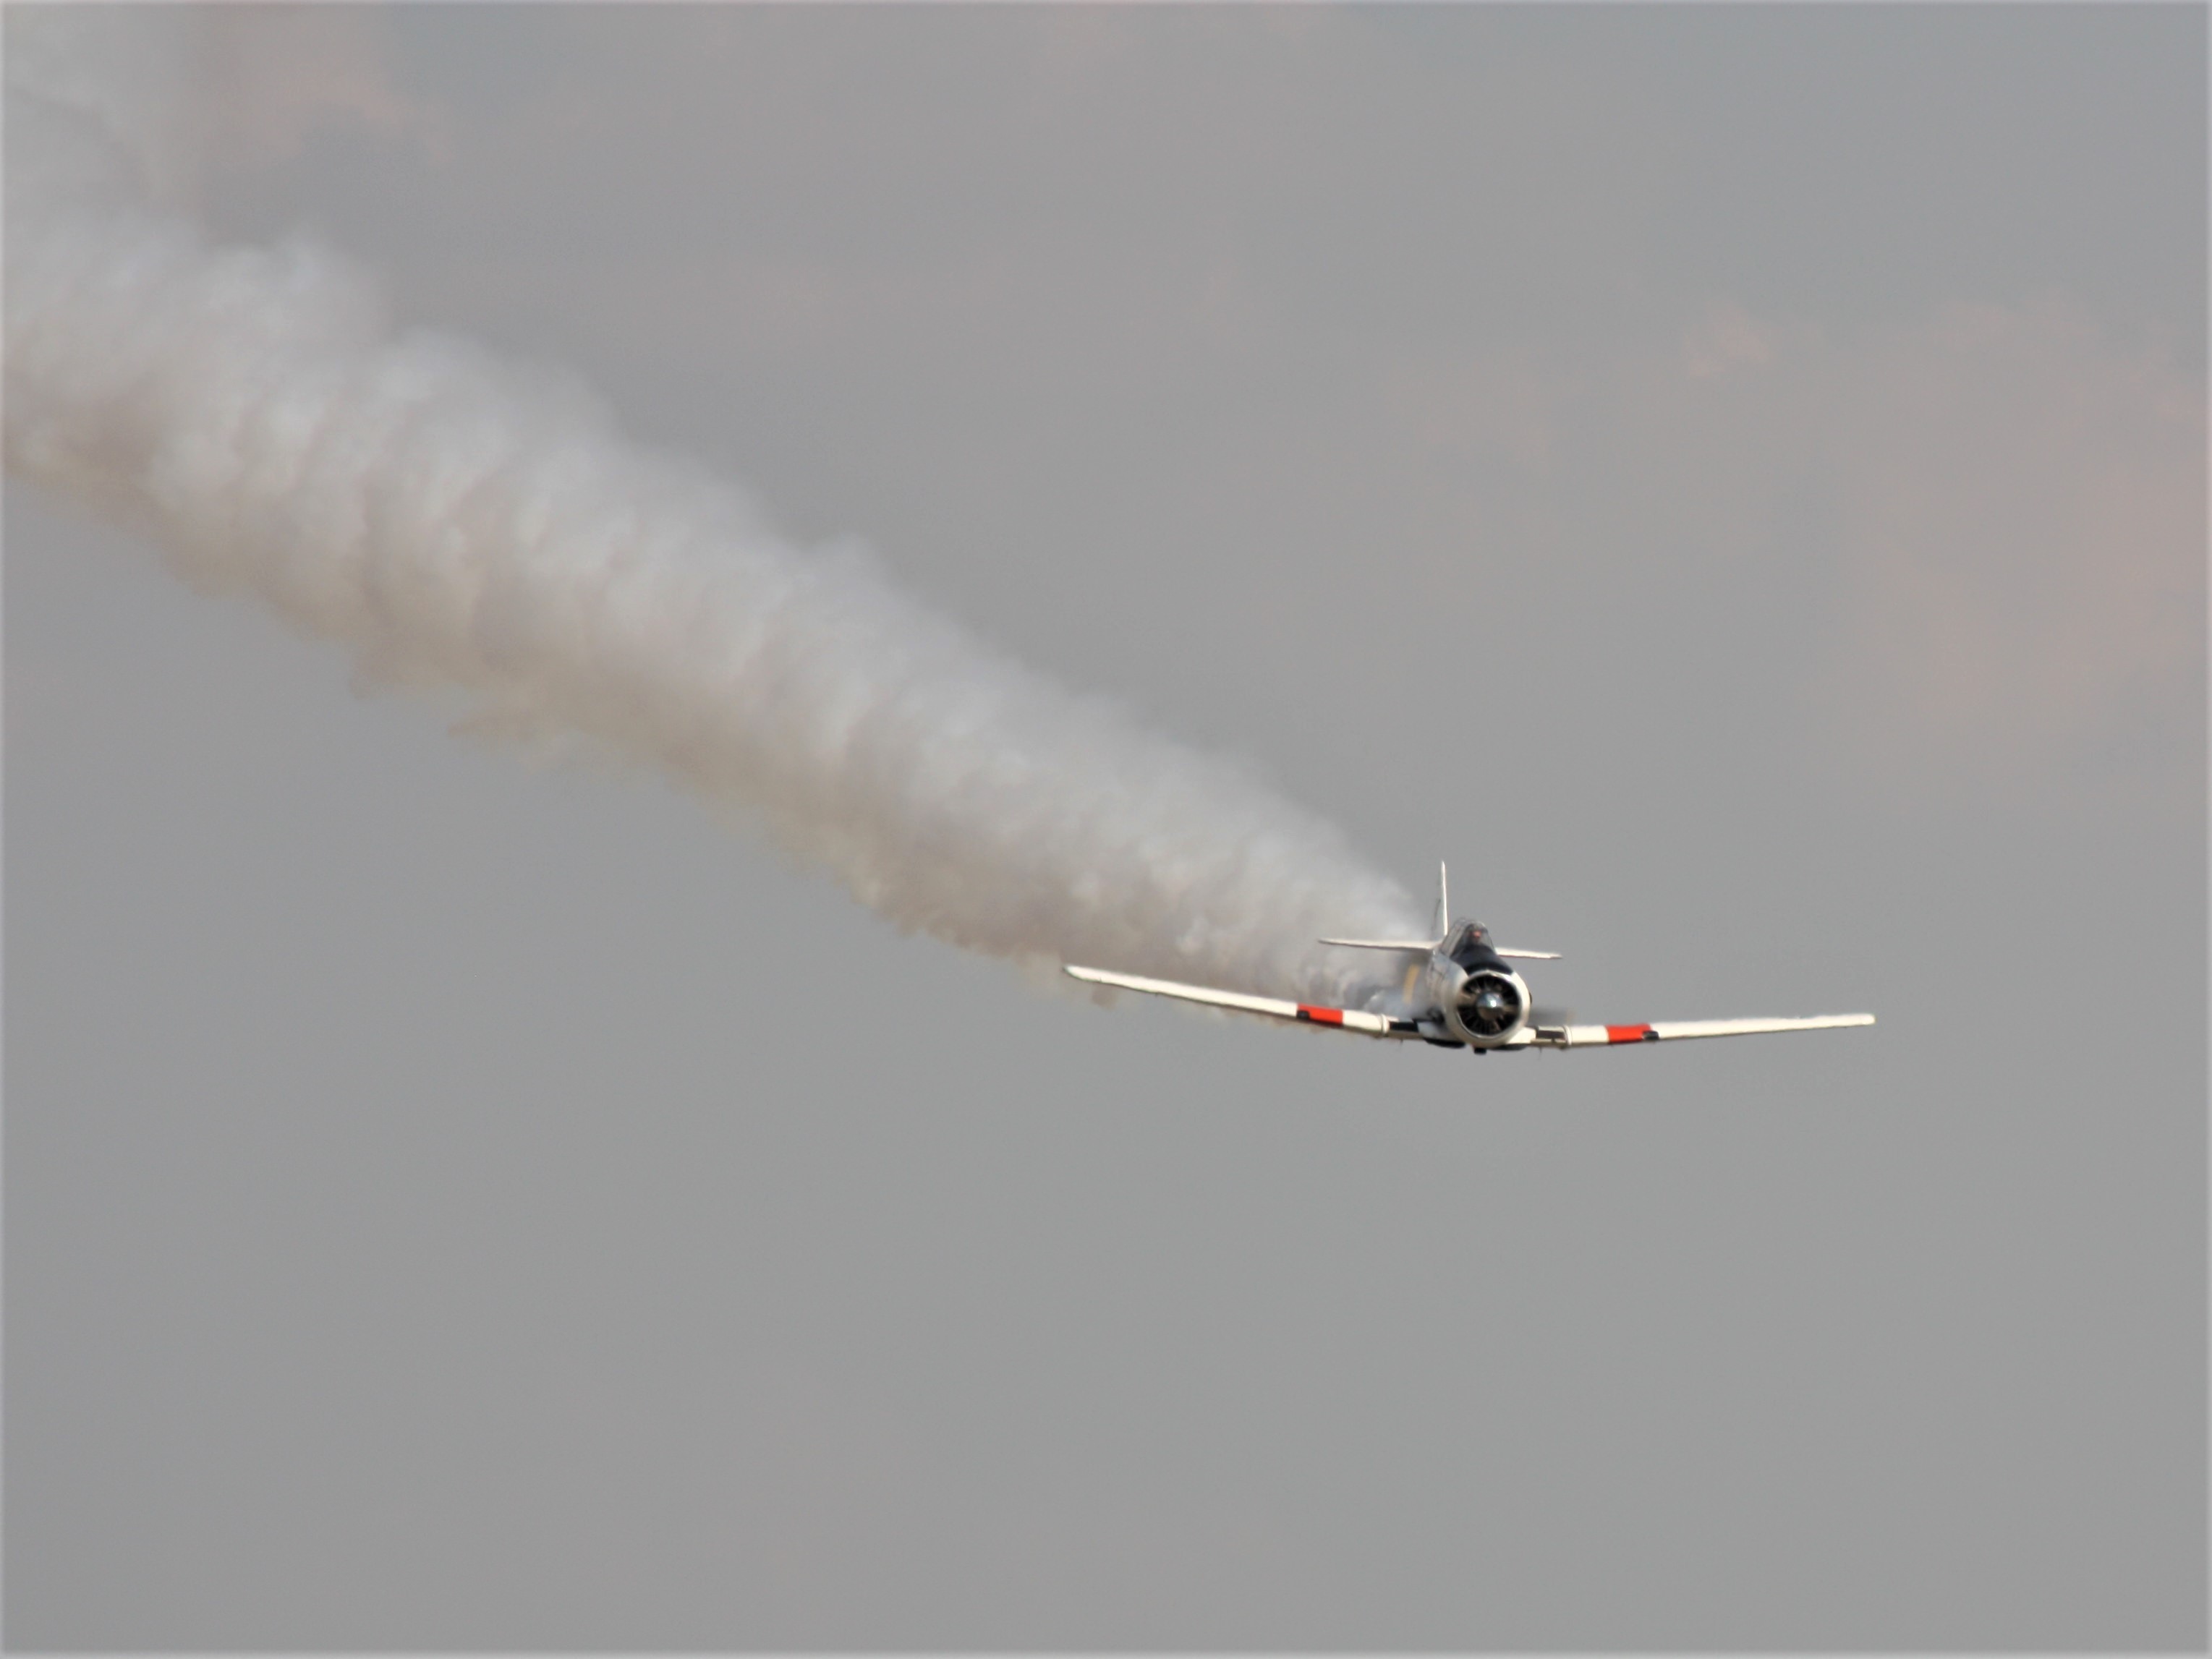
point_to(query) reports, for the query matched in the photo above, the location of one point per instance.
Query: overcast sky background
(1732, 480)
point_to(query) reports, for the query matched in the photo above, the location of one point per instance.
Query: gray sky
(1731, 480)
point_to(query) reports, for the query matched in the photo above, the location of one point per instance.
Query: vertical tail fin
(1443, 902)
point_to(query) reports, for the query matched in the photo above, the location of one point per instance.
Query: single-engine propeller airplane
(1464, 995)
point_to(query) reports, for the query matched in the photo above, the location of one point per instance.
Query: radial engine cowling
(1490, 1006)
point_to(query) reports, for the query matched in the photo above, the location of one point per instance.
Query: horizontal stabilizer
(1430, 945)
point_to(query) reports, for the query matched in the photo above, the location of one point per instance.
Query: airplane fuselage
(1473, 996)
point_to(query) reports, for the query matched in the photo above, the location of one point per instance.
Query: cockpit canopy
(1468, 940)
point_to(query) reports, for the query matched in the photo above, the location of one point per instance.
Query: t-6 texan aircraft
(1465, 996)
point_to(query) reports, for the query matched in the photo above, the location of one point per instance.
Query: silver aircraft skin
(1460, 991)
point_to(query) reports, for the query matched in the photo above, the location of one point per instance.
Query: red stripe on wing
(1626, 1033)
(1321, 1016)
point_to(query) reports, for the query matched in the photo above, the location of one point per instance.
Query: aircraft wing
(1349, 1019)
(1600, 1036)
(1529, 1037)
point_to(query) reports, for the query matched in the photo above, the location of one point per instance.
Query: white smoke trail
(455, 521)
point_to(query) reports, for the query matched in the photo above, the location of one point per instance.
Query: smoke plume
(455, 521)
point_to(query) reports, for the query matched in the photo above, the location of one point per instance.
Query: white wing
(1602, 1037)
(1350, 1019)
(1530, 1036)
